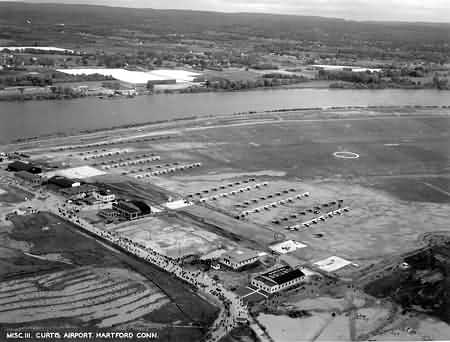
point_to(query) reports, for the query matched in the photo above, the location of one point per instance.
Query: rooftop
(280, 276)
(239, 255)
(84, 188)
(63, 180)
(27, 175)
(138, 207)
(287, 246)
(19, 165)
(127, 206)
(332, 263)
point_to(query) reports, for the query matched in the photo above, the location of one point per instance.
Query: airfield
(395, 189)
(349, 187)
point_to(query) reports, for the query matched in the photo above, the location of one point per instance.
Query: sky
(393, 10)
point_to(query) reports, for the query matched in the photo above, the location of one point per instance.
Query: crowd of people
(232, 310)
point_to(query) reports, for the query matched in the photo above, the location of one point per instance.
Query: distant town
(55, 73)
(88, 62)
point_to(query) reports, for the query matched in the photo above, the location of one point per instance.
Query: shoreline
(62, 134)
(317, 84)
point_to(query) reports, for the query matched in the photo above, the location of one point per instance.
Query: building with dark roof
(18, 165)
(108, 214)
(132, 210)
(63, 182)
(28, 177)
(278, 279)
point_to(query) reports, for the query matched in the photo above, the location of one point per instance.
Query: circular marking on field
(346, 155)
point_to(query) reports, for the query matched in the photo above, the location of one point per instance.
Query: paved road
(232, 309)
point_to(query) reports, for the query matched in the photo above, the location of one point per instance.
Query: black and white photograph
(224, 170)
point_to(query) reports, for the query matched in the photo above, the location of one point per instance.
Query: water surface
(34, 118)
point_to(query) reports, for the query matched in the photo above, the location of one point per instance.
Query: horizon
(327, 9)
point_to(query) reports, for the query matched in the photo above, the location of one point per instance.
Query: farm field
(86, 283)
(10, 194)
(81, 294)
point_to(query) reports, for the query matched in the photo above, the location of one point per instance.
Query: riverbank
(42, 94)
(155, 124)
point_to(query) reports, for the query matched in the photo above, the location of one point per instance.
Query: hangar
(132, 210)
(18, 165)
(278, 279)
(63, 182)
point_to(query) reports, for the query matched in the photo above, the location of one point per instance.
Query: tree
(439, 83)
(111, 85)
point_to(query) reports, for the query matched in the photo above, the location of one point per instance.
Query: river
(34, 118)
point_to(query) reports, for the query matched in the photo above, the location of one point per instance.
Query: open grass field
(60, 278)
(234, 74)
(304, 148)
(396, 189)
(13, 194)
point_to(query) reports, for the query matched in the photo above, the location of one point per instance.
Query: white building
(238, 258)
(104, 196)
(351, 68)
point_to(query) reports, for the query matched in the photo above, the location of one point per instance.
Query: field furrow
(61, 301)
(133, 311)
(90, 284)
(54, 275)
(108, 309)
(64, 283)
(14, 285)
(36, 294)
(83, 283)
(66, 278)
(28, 289)
(63, 310)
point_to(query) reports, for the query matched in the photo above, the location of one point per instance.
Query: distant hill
(101, 20)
